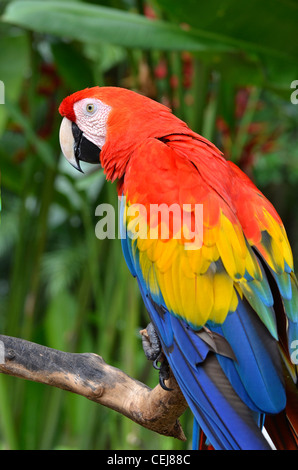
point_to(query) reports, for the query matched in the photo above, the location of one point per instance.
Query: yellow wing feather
(204, 284)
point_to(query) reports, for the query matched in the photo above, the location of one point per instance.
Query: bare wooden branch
(88, 375)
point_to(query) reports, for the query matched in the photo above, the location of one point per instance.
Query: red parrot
(218, 282)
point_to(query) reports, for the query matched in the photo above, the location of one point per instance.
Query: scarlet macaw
(221, 308)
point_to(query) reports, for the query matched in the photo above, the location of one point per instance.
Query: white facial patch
(92, 115)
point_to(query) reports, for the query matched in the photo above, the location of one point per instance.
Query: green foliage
(223, 66)
(268, 27)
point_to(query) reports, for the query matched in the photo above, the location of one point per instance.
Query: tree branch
(88, 375)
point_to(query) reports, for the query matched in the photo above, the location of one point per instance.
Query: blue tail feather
(224, 418)
(228, 388)
(258, 362)
(195, 434)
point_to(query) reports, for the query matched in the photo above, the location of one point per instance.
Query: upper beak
(75, 146)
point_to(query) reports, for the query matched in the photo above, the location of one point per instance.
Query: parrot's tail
(281, 428)
(199, 440)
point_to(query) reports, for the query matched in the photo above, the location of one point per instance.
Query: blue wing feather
(258, 363)
(225, 419)
(227, 393)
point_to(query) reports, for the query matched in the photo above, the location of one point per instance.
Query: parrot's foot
(153, 351)
(151, 343)
(164, 371)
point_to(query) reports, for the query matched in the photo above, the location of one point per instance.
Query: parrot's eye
(90, 108)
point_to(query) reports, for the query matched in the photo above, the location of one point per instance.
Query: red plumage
(236, 283)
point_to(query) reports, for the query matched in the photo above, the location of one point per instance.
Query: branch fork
(88, 375)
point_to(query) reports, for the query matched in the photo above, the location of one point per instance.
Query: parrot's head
(105, 124)
(84, 127)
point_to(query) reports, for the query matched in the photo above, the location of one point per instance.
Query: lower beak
(75, 146)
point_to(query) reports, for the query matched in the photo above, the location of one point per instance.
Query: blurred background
(226, 68)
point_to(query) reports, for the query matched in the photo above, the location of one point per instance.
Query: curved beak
(75, 146)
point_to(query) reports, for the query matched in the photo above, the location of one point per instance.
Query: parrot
(212, 261)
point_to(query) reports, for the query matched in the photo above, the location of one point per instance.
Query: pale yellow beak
(67, 143)
(75, 145)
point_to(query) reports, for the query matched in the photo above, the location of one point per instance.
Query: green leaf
(44, 150)
(60, 320)
(73, 67)
(263, 36)
(13, 67)
(91, 23)
(62, 267)
(269, 27)
(11, 175)
(105, 56)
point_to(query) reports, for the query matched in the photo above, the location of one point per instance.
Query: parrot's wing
(216, 288)
(265, 233)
